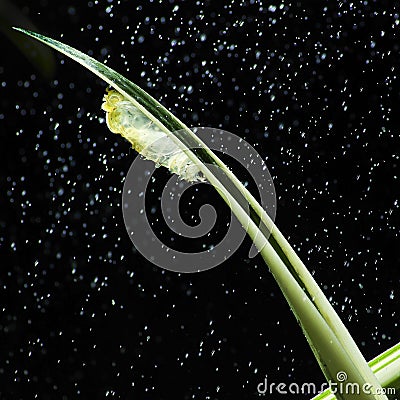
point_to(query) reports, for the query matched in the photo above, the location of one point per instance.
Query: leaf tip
(22, 30)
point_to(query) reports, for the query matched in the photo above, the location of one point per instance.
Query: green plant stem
(330, 341)
(386, 367)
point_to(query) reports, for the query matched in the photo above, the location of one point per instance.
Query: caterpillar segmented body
(147, 139)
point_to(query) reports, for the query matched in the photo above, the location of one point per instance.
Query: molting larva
(147, 139)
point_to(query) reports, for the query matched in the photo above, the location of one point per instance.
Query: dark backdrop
(314, 86)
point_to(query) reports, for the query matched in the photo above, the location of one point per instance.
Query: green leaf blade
(330, 341)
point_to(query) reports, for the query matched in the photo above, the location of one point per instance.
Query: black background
(314, 86)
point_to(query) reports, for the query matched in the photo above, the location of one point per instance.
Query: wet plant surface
(313, 87)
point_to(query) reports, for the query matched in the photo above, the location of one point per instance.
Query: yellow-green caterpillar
(147, 139)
